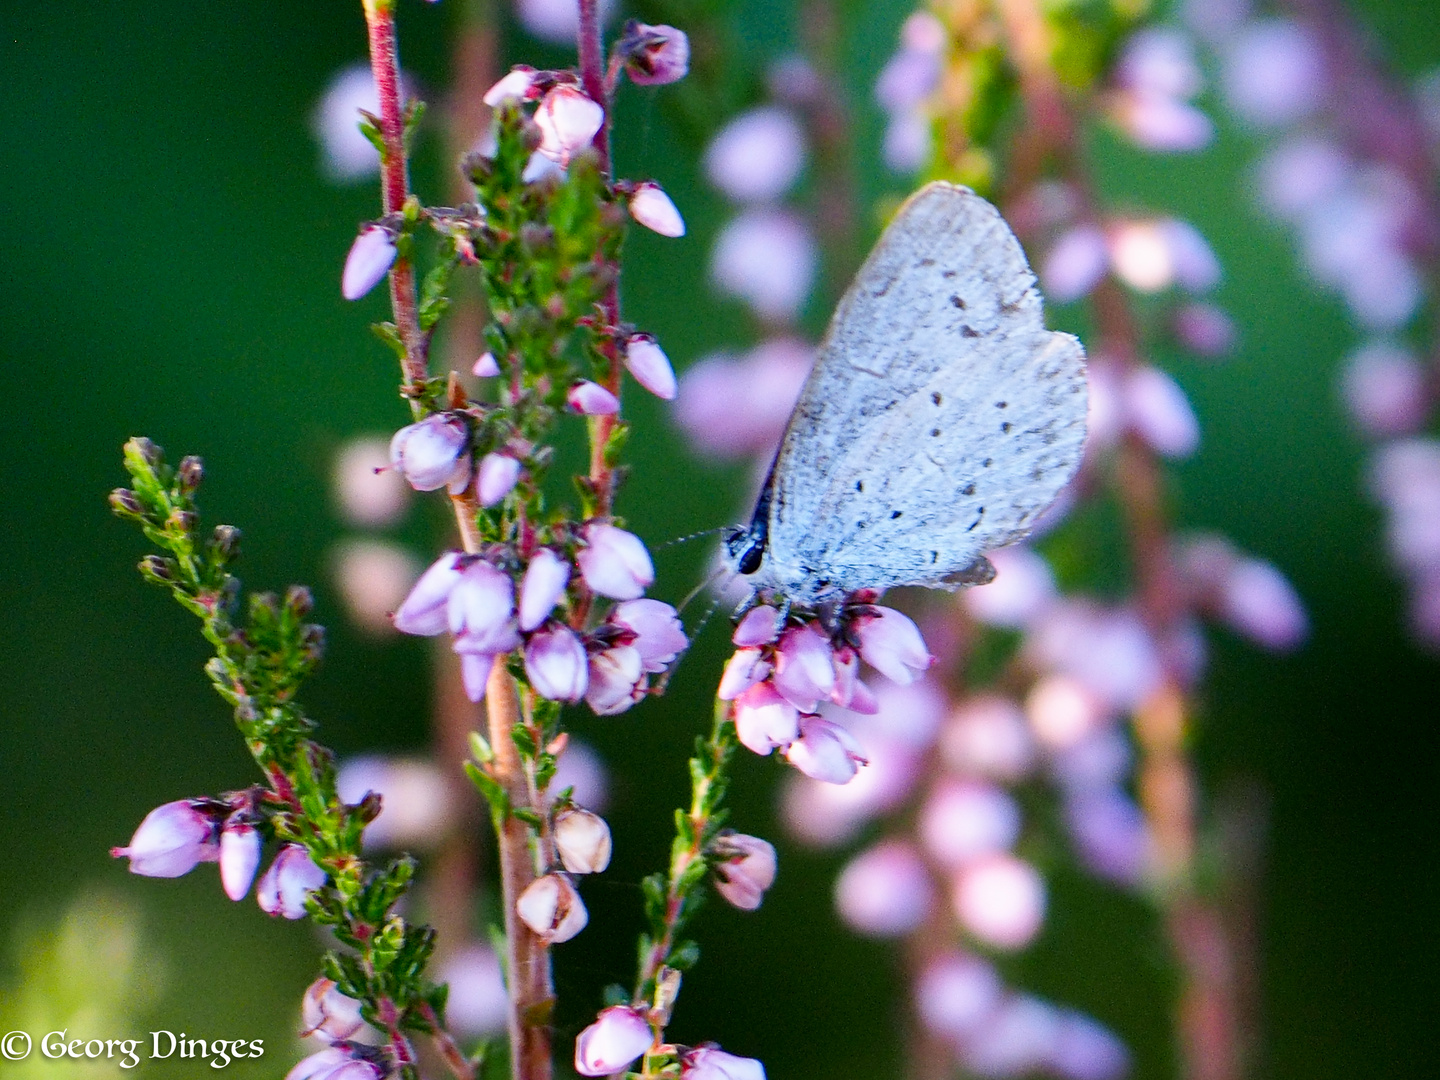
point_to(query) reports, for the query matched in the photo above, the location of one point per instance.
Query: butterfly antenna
(669, 673)
(693, 536)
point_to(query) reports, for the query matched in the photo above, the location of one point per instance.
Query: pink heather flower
(884, 891)
(659, 637)
(542, 587)
(518, 84)
(744, 869)
(1274, 73)
(325, 1065)
(1083, 1049)
(1256, 600)
(909, 140)
(738, 407)
(552, 908)
(292, 877)
(892, 645)
(367, 491)
(374, 577)
(743, 670)
(582, 840)
(764, 719)
(423, 612)
(347, 154)
(172, 840)
(328, 1014)
(616, 680)
(912, 73)
(239, 857)
(1107, 649)
(1017, 1039)
(1063, 710)
(1384, 389)
(1302, 175)
(757, 156)
(760, 626)
(825, 751)
(849, 692)
(987, 736)
(556, 664)
(568, 121)
(475, 673)
(650, 366)
(1204, 329)
(417, 807)
(1160, 123)
(1000, 900)
(618, 1036)
(1099, 760)
(651, 207)
(827, 815)
(614, 562)
(496, 478)
(485, 366)
(1075, 264)
(956, 993)
(556, 21)
(709, 1062)
(1140, 255)
(477, 1004)
(433, 453)
(767, 258)
(591, 399)
(805, 666)
(962, 820)
(481, 609)
(1110, 834)
(655, 55)
(1160, 413)
(369, 260)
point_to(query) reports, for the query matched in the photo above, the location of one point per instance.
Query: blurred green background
(170, 267)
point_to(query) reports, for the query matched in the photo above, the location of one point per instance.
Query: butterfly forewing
(941, 417)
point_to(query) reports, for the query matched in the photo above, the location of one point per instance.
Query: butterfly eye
(750, 561)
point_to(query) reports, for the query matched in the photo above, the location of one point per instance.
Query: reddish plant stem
(1206, 1020)
(395, 187)
(527, 956)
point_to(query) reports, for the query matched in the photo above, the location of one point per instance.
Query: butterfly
(940, 420)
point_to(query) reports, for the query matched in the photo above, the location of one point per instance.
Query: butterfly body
(940, 420)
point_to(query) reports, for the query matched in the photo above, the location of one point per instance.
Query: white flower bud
(583, 841)
(552, 908)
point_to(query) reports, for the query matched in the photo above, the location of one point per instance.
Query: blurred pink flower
(884, 891)
(734, 407)
(757, 156)
(1000, 900)
(766, 257)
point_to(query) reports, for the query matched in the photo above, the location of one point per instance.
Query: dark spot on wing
(859, 485)
(1005, 427)
(934, 432)
(934, 556)
(958, 302)
(966, 331)
(895, 514)
(977, 520)
(987, 463)
(949, 273)
(927, 262)
(968, 489)
(935, 397)
(1002, 404)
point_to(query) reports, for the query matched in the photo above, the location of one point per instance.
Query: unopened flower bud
(542, 587)
(336, 1063)
(496, 478)
(744, 869)
(225, 541)
(172, 840)
(614, 562)
(709, 1062)
(486, 367)
(619, 1035)
(239, 856)
(423, 612)
(760, 626)
(583, 841)
(480, 610)
(568, 121)
(190, 472)
(650, 366)
(746, 668)
(891, 643)
(651, 207)
(805, 666)
(654, 55)
(433, 453)
(591, 399)
(123, 501)
(328, 1014)
(158, 568)
(370, 259)
(552, 908)
(292, 877)
(556, 664)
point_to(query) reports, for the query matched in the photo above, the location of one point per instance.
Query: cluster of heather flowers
(1348, 167)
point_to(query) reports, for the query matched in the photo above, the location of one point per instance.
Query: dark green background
(169, 266)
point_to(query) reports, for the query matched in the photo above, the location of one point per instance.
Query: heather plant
(1040, 719)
